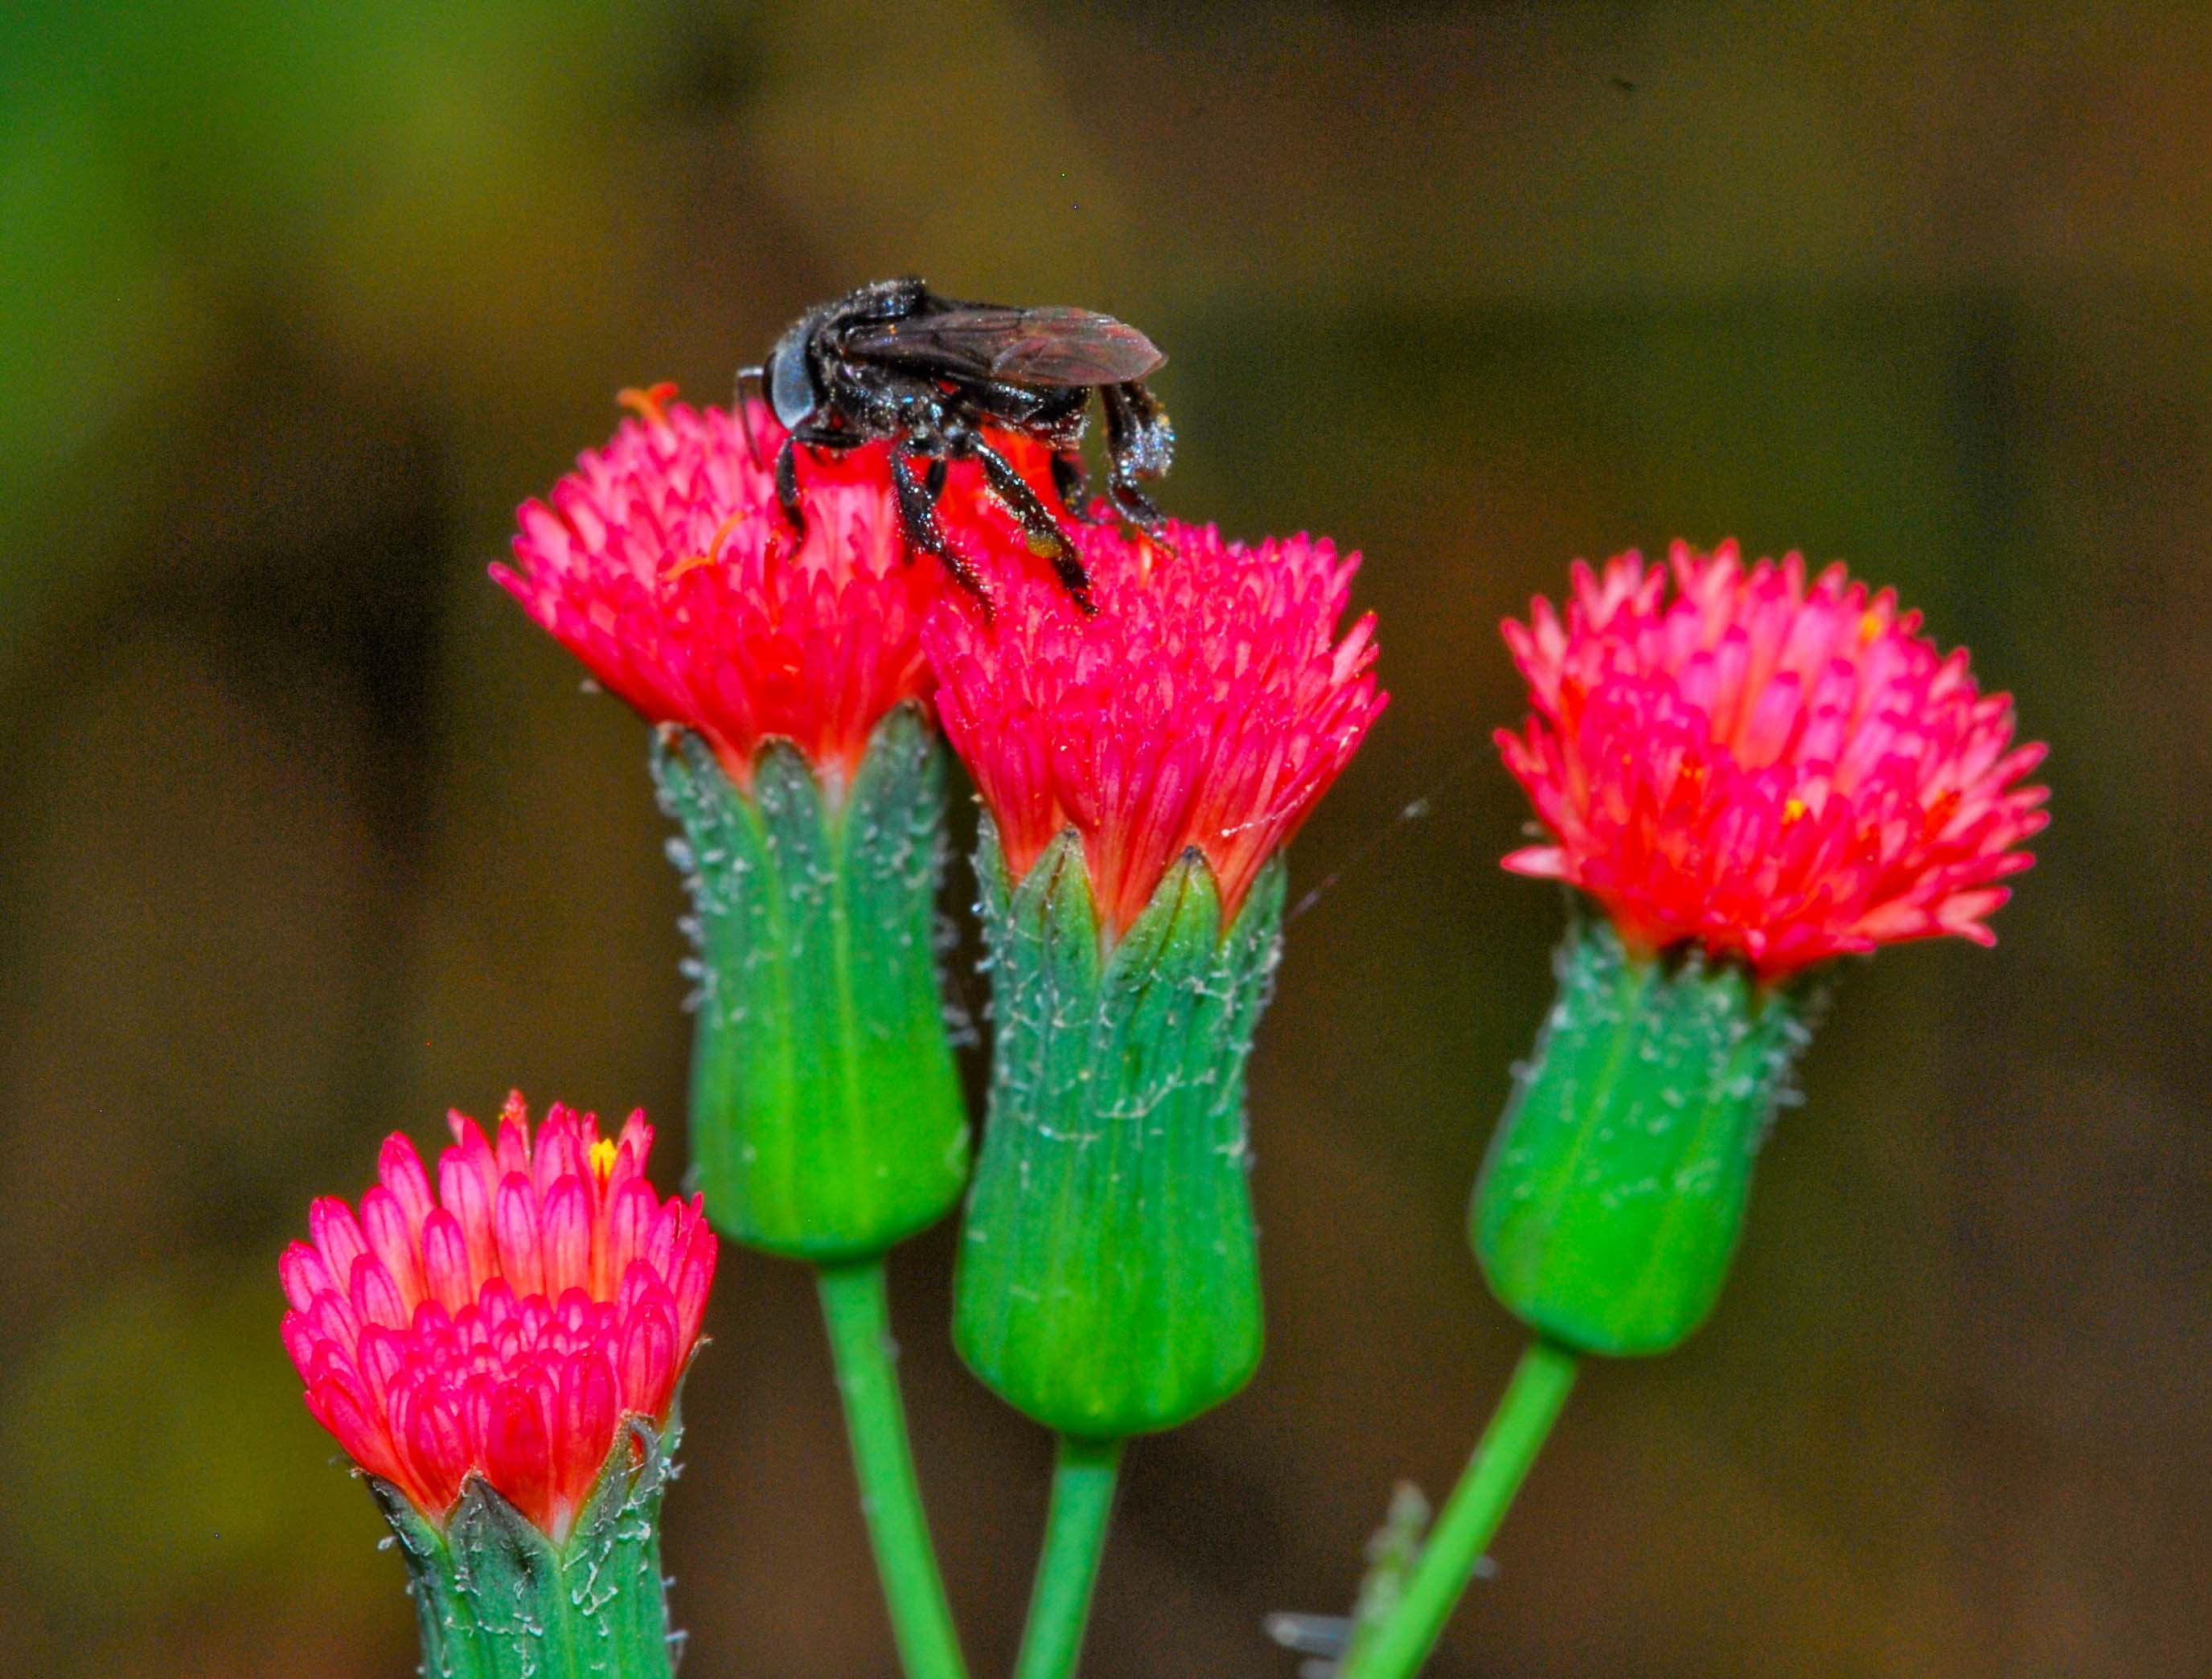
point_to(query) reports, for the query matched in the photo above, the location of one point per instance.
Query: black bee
(895, 360)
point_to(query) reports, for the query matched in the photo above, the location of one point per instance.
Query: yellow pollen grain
(1869, 627)
(1793, 809)
(603, 1159)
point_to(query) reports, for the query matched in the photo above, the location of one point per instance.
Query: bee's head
(792, 392)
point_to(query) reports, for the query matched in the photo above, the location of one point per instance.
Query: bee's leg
(1053, 418)
(1139, 508)
(1067, 478)
(1141, 443)
(1017, 407)
(917, 506)
(786, 466)
(1132, 504)
(1139, 435)
(1046, 538)
(786, 487)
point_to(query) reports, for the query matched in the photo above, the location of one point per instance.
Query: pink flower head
(1783, 772)
(506, 1326)
(665, 564)
(1209, 704)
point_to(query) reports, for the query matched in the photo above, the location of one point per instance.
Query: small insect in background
(895, 361)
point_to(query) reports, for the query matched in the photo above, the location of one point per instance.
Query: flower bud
(826, 1111)
(1608, 1210)
(1108, 1280)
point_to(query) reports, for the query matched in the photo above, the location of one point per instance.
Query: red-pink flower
(1209, 704)
(506, 1326)
(1782, 771)
(664, 563)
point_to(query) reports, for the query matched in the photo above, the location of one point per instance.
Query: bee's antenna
(756, 376)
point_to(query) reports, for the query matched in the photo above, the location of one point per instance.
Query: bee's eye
(790, 384)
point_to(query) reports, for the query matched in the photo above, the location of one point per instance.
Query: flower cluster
(664, 562)
(1782, 769)
(1210, 703)
(506, 1326)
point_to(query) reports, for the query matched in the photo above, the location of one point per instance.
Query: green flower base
(1610, 1205)
(827, 1118)
(1108, 1280)
(498, 1599)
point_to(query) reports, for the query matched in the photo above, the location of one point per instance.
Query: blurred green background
(306, 833)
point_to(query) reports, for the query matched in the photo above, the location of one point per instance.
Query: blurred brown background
(306, 833)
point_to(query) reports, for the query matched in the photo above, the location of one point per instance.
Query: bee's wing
(1052, 346)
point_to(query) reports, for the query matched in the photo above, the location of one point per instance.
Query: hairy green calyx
(497, 1598)
(1609, 1208)
(1108, 1280)
(826, 1113)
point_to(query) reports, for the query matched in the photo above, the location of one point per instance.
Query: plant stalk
(1518, 1430)
(856, 1307)
(1083, 1479)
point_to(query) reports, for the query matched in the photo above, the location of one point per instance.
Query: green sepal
(1609, 1208)
(495, 1597)
(827, 1120)
(1108, 1280)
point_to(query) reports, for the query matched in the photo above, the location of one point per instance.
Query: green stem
(1074, 1538)
(1517, 1429)
(856, 1306)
